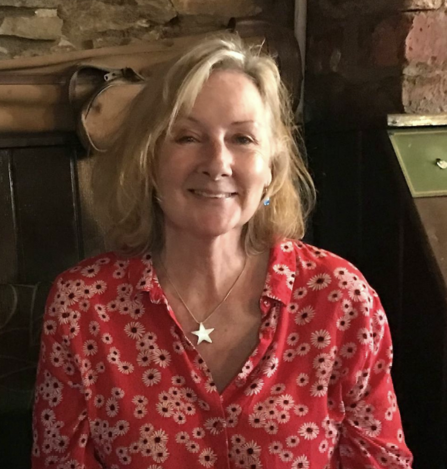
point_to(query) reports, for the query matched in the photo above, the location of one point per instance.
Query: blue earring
(267, 201)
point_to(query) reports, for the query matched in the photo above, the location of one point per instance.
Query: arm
(61, 429)
(371, 435)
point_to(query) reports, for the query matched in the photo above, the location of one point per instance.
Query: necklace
(203, 334)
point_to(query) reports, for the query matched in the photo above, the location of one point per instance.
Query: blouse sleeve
(371, 434)
(60, 426)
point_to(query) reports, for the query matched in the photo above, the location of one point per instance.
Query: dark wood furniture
(365, 213)
(44, 228)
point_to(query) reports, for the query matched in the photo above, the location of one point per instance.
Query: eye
(243, 139)
(186, 139)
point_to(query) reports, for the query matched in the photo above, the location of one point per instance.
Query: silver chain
(220, 303)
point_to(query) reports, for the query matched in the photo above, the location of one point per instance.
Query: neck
(202, 270)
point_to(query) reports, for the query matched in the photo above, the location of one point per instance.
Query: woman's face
(213, 169)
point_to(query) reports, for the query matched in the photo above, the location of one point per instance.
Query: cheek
(171, 174)
(260, 174)
(254, 184)
(169, 164)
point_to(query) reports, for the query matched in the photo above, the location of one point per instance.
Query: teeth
(223, 195)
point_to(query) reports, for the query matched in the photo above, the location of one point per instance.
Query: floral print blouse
(120, 386)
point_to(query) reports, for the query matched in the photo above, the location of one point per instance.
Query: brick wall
(369, 58)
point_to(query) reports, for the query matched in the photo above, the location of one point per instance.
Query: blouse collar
(281, 272)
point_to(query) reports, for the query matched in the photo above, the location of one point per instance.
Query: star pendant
(203, 334)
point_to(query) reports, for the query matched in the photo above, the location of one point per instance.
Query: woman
(210, 337)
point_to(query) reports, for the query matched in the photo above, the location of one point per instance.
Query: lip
(207, 194)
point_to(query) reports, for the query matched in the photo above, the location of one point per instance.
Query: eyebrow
(249, 121)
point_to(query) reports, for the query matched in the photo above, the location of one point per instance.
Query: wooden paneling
(8, 239)
(41, 234)
(41, 139)
(46, 212)
(432, 213)
(21, 309)
(423, 341)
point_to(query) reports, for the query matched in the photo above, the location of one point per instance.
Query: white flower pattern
(120, 386)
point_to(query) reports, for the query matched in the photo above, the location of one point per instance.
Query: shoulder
(309, 260)
(314, 258)
(89, 286)
(94, 277)
(101, 265)
(333, 285)
(320, 276)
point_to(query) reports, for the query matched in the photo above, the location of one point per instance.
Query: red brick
(427, 39)
(366, 61)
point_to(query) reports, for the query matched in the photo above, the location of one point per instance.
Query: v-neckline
(239, 376)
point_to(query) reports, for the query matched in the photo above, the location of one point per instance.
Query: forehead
(233, 78)
(232, 93)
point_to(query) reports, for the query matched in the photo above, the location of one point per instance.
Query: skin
(212, 174)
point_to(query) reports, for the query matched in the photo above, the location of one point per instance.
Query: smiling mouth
(213, 195)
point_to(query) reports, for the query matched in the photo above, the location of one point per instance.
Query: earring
(267, 201)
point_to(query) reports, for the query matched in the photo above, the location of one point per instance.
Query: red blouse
(119, 385)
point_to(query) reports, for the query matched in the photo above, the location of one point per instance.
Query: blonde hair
(124, 182)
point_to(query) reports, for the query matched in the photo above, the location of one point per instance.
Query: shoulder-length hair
(124, 179)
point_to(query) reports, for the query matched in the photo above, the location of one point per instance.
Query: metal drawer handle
(441, 163)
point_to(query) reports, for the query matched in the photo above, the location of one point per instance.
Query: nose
(217, 160)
